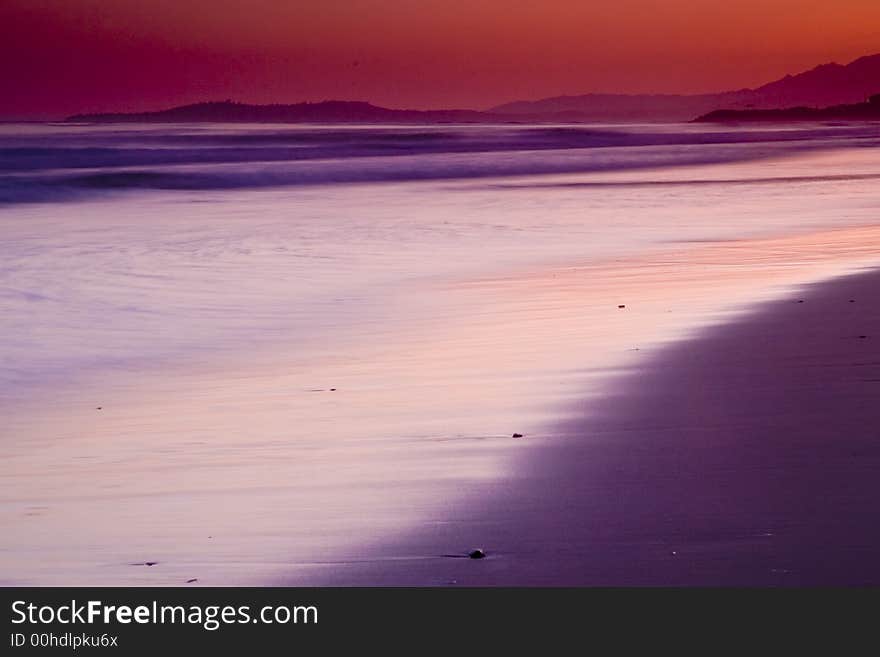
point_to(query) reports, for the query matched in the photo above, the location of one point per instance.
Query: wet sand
(361, 380)
(747, 456)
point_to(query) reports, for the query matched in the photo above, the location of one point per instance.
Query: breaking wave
(67, 162)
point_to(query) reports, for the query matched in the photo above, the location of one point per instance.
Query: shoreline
(294, 422)
(745, 456)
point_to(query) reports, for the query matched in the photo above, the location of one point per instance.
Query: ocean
(248, 352)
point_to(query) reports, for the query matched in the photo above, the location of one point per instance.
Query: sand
(747, 456)
(170, 359)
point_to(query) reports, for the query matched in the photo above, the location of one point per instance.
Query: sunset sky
(59, 57)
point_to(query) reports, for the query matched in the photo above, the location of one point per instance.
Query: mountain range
(867, 111)
(826, 85)
(328, 111)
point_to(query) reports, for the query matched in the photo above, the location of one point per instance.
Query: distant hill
(829, 84)
(331, 111)
(869, 111)
(823, 86)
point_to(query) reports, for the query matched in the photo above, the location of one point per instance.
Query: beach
(228, 365)
(745, 456)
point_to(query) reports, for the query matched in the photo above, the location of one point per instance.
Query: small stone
(852, 300)
(517, 435)
(332, 389)
(194, 579)
(476, 554)
(623, 305)
(150, 563)
(99, 408)
(800, 300)
(863, 336)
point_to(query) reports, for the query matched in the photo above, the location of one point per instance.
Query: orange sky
(63, 56)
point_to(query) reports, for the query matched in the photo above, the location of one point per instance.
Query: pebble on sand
(476, 554)
(517, 435)
(623, 305)
(194, 579)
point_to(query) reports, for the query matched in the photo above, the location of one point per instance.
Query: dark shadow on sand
(749, 456)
